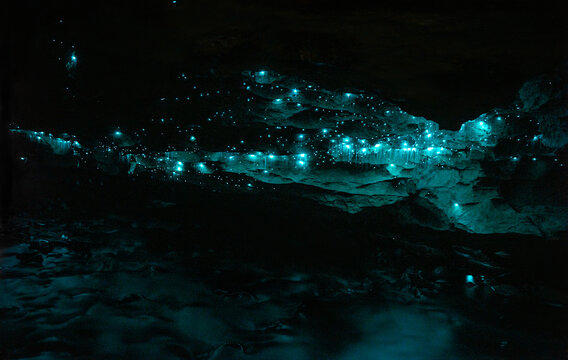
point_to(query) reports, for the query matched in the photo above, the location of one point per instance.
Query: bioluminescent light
(344, 147)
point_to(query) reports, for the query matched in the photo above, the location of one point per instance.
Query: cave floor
(161, 270)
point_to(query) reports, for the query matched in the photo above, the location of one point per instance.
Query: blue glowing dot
(192, 138)
(377, 145)
(301, 163)
(179, 168)
(430, 149)
(301, 136)
(429, 135)
(117, 133)
(324, 131)
(277, 101)
(262, 73)
(456, 205)
(271, 156)
(180, 163)
(391, 165)
(302, 155)
(73, 58)
(295, 91)
(469, 279)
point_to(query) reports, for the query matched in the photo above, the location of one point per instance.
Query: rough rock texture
(499, 173)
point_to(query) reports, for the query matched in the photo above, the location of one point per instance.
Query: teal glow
(483, 125)
(309, 147)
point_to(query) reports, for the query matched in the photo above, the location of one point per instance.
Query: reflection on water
(109, 288)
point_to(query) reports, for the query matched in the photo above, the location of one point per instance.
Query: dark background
(448, 61)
